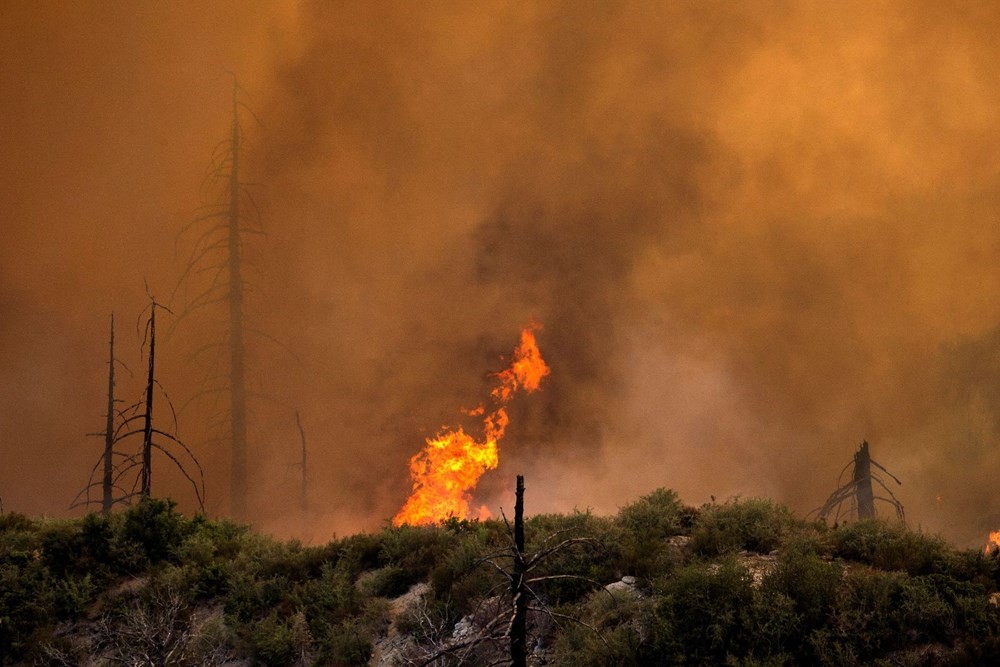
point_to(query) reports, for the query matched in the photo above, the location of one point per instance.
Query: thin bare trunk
(237, 350)
(863, 482)
(518, 587)
(304, 499)
(109, 429)
(147, 429)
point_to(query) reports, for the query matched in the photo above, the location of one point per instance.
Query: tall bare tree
(218, 249)
(506, 620)
(107, 497)
(108, 483)
(147, 427)
(237, 347)
(117, 470)
(304, 468)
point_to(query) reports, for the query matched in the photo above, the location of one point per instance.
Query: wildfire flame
(450, 465)
(993, 545)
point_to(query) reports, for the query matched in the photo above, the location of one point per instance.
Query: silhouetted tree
(218, 250)
(510, 621)
(107, 499)
(108, 481)
(858, 494)
(303, 465)
(153, 438)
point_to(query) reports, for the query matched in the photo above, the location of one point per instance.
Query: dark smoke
(755, 234)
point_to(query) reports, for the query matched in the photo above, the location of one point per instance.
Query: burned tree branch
(859, 491)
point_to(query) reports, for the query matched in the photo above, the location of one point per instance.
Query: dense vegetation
(743, 582)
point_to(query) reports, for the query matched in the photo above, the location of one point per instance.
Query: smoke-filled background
(755, 234)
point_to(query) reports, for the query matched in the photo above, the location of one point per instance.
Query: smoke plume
(754, 234)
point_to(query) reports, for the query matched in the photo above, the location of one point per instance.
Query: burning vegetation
(446, 471)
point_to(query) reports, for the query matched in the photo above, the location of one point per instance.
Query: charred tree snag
(111, 467)
(107, 496)
(857, 497)
(118, 470)
(862, 479)
(147, 429)
(518, 588)
(237, 350)
(509, 627)
(304, 490)
(218, 253)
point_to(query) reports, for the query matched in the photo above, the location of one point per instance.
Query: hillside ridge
(743, 582)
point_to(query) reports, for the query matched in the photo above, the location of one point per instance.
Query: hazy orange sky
(755, 233)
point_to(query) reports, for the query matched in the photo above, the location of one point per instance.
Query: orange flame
(993, 545)
(449, 467)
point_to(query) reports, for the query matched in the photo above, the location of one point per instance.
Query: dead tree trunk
(863, 482)
(237, 350)
(115, 470)
(304, 497)
(858, 494)
(518, 585)
(220, 250)
(107, 499)
(147, 430)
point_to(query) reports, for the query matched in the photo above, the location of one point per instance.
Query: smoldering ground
(754, 235)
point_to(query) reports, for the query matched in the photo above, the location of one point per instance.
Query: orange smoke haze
(446, 472)
(756, 232)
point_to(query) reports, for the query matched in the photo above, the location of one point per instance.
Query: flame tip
(446, 471)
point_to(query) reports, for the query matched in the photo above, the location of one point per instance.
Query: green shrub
(286, 603)
(292, 560)
(27, 603)
(227, 538)
(591, 562)
(73, 595)
(360, 552)
(756, 525)
(277, 641)
(250, 598)
(330, 598)
(87, 546)
(644, 528)
(714, 615)
(156, 528)
(346, 643)
(388, 582)
(62, 548)
(657, 515)
(415, 550)
(613, 630)
(19, 547)
(890, 547)
(866, 619)
(14, 521)
(461, 576)
(810, 582)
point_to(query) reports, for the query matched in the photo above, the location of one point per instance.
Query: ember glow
(447, 470)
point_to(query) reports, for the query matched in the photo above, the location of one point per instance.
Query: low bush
(645, 527)
(277, 641)
(714, 614)
(890, 547)
(757, 525)
(156, 528)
